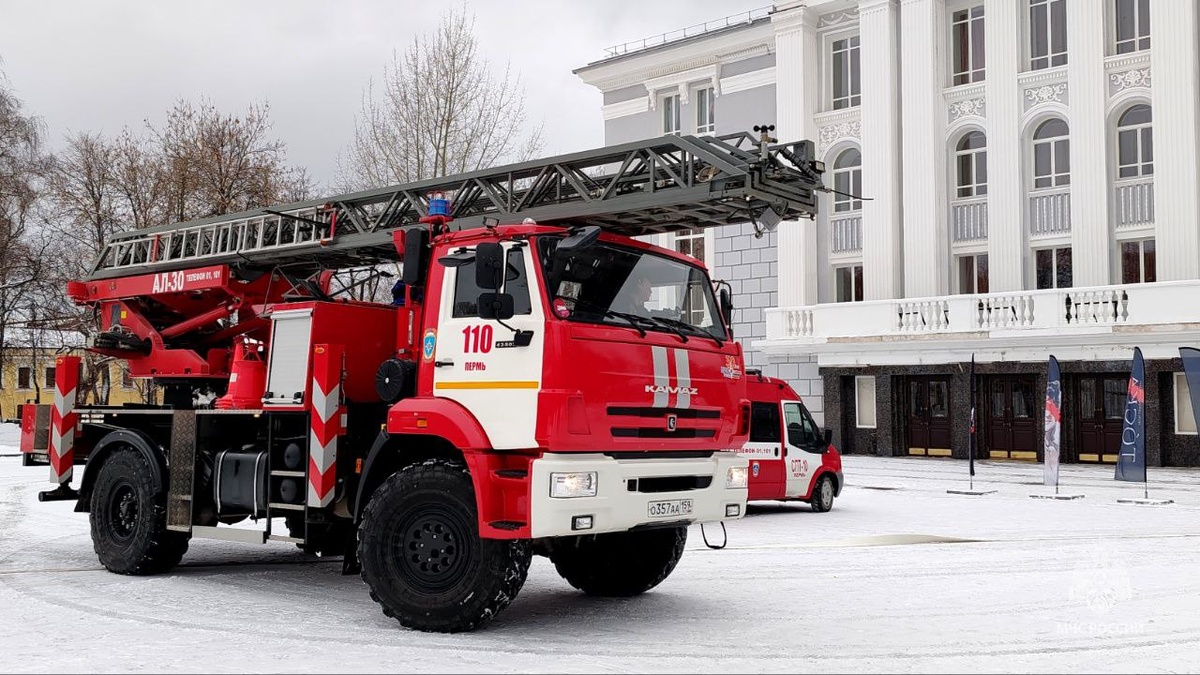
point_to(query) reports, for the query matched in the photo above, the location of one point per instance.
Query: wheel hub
(431, 554)
(124, 512)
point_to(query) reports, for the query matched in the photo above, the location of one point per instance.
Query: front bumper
(628, 489)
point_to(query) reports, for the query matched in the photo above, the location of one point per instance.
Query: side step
(230, 534)
(61, 493)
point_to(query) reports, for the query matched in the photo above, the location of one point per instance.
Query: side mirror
(828, 437)
(725, 299)
(489, 266)
(495, 306)
(416, 256)
(580, 238)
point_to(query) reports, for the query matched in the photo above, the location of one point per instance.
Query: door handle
(439, 364)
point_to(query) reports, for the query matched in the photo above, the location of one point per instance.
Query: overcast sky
(102, 65)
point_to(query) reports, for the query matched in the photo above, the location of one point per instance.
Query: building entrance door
(928, 408)
(1011, 408)
(1099, 415)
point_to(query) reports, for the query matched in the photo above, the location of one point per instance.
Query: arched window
(1051, 155)
(847, 179)
(971, 163)
(1135, 143)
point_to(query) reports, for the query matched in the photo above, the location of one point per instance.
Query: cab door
(804, 448)
(765, 451)
(477, 361)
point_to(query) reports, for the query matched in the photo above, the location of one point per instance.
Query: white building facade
(1013, 179)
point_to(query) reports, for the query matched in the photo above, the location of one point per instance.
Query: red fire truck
(542, 382)
(790, 458)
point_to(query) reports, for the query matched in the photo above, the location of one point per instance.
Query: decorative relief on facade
(971, 107)
(837, 19)
(833, 133)
(1137, 77)
(1047, 93)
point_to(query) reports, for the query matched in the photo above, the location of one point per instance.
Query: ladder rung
(286, 507)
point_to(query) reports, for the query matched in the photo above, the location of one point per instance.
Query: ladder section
(644, 187)
(198, 244)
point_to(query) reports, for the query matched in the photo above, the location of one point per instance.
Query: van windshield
(605, 283)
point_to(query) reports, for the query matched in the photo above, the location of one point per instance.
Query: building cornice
(734, 45)
(1034, 77)
(1123, 61)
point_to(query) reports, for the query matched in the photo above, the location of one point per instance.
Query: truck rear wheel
(620, 564)
(129, 517)
(423, 559)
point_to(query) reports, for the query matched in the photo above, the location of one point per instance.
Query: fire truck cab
(791, 459)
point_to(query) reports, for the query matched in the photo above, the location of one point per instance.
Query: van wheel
(129, 518)
(822, 498)
(423, 559)
(619, 564)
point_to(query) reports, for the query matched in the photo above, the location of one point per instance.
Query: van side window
(764, 422)
(802, 432)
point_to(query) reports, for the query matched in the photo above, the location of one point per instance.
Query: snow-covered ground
(10, 437)
(900, 576)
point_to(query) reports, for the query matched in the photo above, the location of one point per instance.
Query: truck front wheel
(619, 564)
(423, 559)
(129, 517)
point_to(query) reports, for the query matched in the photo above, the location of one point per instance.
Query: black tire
(822, 496)
(129, 518)
(423, 559)
(620, 564)
(323, 539)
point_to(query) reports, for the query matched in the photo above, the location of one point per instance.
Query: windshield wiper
(634, 320)
(684, 326)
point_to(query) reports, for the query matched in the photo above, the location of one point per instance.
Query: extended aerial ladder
(638, 188)
(185, 291)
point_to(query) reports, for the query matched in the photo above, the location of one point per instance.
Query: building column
(796, 70)
(1176, 71)
(1090, 171)
(883, 261)
(1006, 201)
(926, 241)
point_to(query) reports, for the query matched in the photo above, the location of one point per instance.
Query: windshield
(603, 283)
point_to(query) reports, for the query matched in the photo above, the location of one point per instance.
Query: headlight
(574, 484)
(735, 478)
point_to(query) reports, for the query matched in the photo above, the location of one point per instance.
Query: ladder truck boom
(638, 188)
(543, 382)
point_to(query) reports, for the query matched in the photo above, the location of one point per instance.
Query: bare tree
(440, 110)
(140, 178)
(200, 163)
(22, 165)
(218, 163)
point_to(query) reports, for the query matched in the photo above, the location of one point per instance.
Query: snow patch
(10, 438)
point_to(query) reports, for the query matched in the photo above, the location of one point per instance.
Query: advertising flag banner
(1131, 458)
(971, 436)
(1191, 372)
(1053, 424)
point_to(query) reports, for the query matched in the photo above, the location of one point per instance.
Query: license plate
(671, 507)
